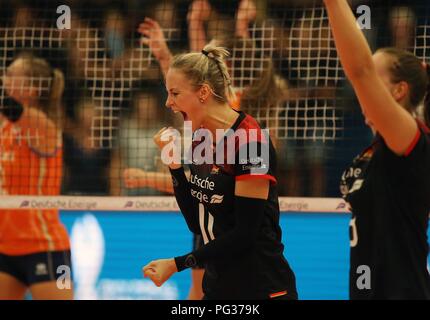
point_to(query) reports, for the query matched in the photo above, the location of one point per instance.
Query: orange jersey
(23, 171)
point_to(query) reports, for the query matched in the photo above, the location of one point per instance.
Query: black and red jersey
(389, 196)
(262, 272)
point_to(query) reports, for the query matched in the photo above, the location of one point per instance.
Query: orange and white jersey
(24, 171)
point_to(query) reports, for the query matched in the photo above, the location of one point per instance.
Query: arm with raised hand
(395, 124)
(153, 37)
(199, 12)
(246, 13)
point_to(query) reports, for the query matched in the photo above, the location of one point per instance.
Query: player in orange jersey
(34, 245)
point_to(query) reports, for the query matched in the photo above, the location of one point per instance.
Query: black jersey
(260, 273)
(389, 196)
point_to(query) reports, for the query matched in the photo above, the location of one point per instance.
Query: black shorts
(197, 243)
(37, 267)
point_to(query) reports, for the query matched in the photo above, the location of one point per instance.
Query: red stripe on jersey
(413, 143)
(249, 123)
(257, 176)
(278, 294)
(423, 126)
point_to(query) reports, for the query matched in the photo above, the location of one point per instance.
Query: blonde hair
(49, 80)
(267, 91)
(207, 67)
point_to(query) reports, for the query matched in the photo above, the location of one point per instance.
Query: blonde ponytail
(207, 67)
(218, 54)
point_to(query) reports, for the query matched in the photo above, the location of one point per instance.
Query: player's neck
(219, 116)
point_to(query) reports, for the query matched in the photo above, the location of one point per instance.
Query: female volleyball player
(134, 177)
(387, 186)
(33, 242)
(233, 206)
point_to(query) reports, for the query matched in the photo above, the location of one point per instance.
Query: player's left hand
(159, 271)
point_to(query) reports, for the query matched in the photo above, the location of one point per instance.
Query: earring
(202, 100)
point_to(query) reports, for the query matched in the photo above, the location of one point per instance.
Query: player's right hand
(165, 136)
(167, 140)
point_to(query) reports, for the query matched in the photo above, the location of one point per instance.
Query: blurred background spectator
(86, 164)
(283, 65)
(136, 148)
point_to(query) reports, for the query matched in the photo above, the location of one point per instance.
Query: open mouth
(184, 115)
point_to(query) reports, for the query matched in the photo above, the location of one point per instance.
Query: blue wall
(316, 245)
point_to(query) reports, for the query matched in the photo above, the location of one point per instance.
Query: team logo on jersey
(356, 186)
(216, 198)
(255, 163)
(215, 169)
(41, 269)
(368, 154)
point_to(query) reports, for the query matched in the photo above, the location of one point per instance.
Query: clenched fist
(168, 141)
(159, 271)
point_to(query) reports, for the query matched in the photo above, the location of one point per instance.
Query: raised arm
(199, 12)
(154, 38)
(395, 124)
(246, 13)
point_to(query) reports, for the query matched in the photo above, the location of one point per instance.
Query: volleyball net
(284, 67)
